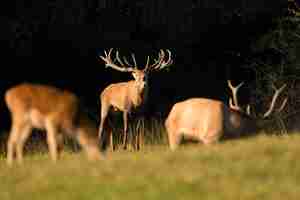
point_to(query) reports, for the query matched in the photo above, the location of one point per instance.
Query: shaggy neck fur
(139, 94)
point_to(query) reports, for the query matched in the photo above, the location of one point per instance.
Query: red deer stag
(208, 120)
(54, 110)
(127, 96)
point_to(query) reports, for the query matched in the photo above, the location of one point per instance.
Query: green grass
(262, 167)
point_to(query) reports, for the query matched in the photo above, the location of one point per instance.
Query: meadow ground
(262, 167)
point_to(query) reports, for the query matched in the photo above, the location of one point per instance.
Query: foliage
(275, 61)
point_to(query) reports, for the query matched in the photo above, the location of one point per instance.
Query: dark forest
(57, 43)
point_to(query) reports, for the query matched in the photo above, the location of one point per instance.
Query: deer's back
(41, 101)
(197, 116)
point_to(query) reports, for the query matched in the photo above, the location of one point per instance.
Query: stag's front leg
(108, 136)
(125, 121)
(111, 139)
(138, 134)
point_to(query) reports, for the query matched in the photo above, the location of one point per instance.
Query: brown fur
(51, 109)
(125, 97)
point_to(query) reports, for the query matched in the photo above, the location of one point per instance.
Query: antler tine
(119, 59)
(160, 63)
(282, 105)
(234, 91)
(234, 107)
(161, 59)
(109, 53)
(134, 60)
(126, 61)
(277, 92)
(109, 63)
(169, 61)
(248, 109)
(156, 60)
(147, 64)
(230, 103)
(106, 55)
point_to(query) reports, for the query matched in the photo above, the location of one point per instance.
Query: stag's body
(47, 108)
(129, 99)
(209, 120)
(205, 120)
(129, 96)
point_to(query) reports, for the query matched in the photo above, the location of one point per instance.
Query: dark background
(56, 42)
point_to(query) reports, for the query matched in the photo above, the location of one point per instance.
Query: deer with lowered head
(208, 120)
(129, 96)
(54, 110)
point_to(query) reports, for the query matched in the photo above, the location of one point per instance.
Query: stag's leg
(25, 132)
(138, 136)
(125, 114)
(111, 139)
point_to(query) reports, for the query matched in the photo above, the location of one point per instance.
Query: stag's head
(140, 75)
(234, 105)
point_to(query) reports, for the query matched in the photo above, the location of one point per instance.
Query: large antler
(277, 92)
(234, 90)
(124, 67)
(160, 63)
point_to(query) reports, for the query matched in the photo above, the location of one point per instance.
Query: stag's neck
(138, 94)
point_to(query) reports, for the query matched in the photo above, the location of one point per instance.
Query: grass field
(262, 167)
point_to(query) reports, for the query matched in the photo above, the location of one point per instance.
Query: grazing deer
(54, 110)
(127, 96)
(207, 120)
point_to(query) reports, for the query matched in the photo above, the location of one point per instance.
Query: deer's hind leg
(52, 137)
(89, 144)
(19, 133)
(104, 112)
(60, 143)
(24, 134)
